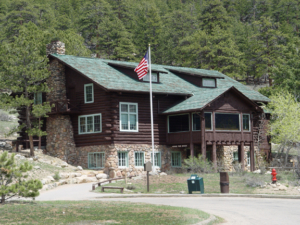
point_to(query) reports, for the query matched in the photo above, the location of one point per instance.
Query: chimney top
(57, 47)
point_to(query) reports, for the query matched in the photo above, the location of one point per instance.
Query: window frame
(126, 160)
(128, 113)
(235, 158)
(249, 122)
(85, 86)
(158, 160)
(148, 81)
(211, 122)
(85, 116)
(172, 152)
(103, 160)
(206, 78)
(178, 131)
(228, 130)
(143, 159)
(36, 97)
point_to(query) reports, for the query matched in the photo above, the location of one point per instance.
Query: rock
(50, 178)
(79, 168)
(298, 190)
(17, 156)
(257, 171)
(63, 165)
(8, 146)
(119, 174)
(64, 175)
(35, 158)
(112, 174)
(36, 167)
(91, 179)
(78, 174)
(268, 172)
(91, 175)
(62, 182)
(273, 185)
(182, 192)
(44, 181)
(281, 188)
(101, 176)
(72, 175)
(30, 159)
(163, 174)
(2, 144)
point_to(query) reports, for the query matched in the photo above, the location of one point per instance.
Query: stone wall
(111, 157)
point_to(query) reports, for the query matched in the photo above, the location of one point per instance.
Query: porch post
(203, 142)
(214, 155)
(242, 156)
(252, 163)
(191, 136)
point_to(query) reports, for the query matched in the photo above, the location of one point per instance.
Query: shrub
(197, 164)
(131, 187)
(254, 181)
(56, 176)
(13, 179)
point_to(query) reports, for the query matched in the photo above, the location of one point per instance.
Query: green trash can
(195, 183)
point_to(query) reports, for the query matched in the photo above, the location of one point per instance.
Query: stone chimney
(55, 47)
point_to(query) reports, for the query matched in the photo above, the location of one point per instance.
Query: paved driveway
(235, 210)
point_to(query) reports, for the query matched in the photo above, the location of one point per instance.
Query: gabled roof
(112, 79)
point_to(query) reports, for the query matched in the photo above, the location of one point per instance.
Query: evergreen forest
(253, 41)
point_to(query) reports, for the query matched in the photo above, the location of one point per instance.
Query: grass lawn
(97, 212)
(173, 184)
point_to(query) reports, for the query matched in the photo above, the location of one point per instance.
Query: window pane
(208, 121)
(179, 123)
(132, 122)
(139, 158)
(208, 82)
(91, 162)
(246, 123)
(196, 122)
(153, 77)
(235, 156)
(156, 159)
(124, 108)
(132, 108)
(227, 121)
(122, 158)
(97, 123)
(176, 160)
(124, 122)
(82, 125)
(89, 120)
(89, 93)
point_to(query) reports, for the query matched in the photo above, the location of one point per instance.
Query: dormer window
(154, 77)
(208, 82)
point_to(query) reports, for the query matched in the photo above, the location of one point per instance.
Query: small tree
(197, 164)
(285, 121)
(23, 71)
(13, 180)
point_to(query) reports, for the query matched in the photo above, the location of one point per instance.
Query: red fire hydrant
(274, 176)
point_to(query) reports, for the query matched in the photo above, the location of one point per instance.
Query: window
(246, 122)
(96, 160)
(154, 77)
(157, 159)
(179, 123)
(128, 116)
(123, 159)
(208, 82)
(176, 159)
(235, 156)
(228, 122)
(38, 98)
(89, 124)
(197, 121)
(139, 159)
(88, 93)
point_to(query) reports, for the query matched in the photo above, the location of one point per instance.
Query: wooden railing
(63, 106)
(110, 180)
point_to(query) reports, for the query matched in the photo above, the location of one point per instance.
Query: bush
(254, 181)
(4, 116)
(197, 164)
(13, 179)
(131, 187)
(56, 176)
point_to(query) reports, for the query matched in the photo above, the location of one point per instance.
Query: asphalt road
(235, 210)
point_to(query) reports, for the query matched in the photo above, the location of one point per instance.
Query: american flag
(142, 68)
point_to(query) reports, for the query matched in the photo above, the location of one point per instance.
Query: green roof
(113, 80)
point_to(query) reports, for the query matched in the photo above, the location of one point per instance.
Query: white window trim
(142, 166)
(90, 153)
(209, 79)
(154, 159)
(137, 117)
(180, 156)
(211, 122)
(178, 131)
(87, 85)
(228, 130)
(98, 114)
(127, 160)
(249, 123)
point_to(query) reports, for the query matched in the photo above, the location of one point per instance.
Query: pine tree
(24, 73)
(13, 181)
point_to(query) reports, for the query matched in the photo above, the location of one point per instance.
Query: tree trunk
(28, 122)
(2, 199)
(31, 146)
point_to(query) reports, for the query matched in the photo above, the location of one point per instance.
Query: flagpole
(151, 108)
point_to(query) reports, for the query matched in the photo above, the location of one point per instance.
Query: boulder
(79, 168)
(101, 176)
(163, 174)
(50, 178)
(64, 175)
(257, 171)
(36, 167)
(268, 172)
(62, 182)
(64, 164)
(2, 144)
(78, 174)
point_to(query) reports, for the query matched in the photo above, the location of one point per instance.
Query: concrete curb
(198, 195)
(209, 220)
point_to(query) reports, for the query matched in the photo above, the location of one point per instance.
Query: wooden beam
(191, 136)
(214, 155)
(252, 163)
(242, 156)
(203, 142)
